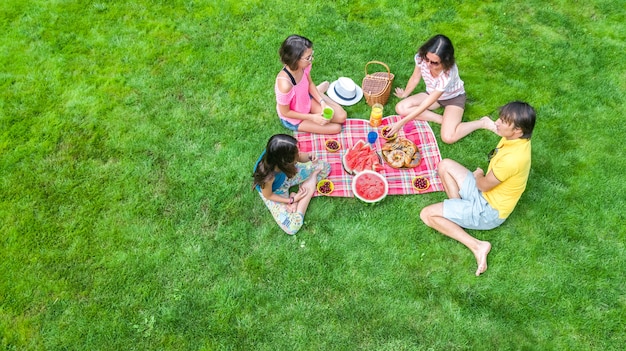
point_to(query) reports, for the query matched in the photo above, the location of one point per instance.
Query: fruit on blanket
(385, 131)
(361, 157)
(370, 186)
(332, 145)
(325, 187)
(420, 183)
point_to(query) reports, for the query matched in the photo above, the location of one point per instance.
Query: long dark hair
(281, 152)
(522, 115)
(441, 46)
(292, 49)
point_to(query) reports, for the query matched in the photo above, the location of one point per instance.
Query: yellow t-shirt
(511, 165)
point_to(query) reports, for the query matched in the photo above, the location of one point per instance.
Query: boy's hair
(441, 46)
(521, 114)
(292, 49)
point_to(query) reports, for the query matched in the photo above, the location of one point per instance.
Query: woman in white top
(434, 62)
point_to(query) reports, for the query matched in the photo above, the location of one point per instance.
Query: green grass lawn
(128, 133)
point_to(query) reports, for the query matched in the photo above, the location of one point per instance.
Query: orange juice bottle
(376, 117)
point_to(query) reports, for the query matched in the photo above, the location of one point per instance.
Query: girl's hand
(312, 157)
(319, 119)
(394, 128)
(399, 92)
(296, 197)
(301, 194)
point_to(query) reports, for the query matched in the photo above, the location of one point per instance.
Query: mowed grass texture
(128, 133)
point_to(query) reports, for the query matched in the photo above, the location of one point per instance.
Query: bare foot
(481, 256)
(488, 124)
(323, 87)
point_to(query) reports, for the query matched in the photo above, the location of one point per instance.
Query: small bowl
(420, 183)
(388, 138)
(332, 145)
(324, 185)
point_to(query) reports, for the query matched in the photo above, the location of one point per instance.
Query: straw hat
(344, 91)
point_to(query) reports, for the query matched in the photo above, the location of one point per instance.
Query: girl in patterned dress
(434, 62)
(280, 167)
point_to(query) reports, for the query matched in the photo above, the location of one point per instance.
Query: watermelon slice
(361, 157)
(370, 186)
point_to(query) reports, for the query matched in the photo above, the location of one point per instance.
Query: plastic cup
(376, 116)
(371, 137)
(328, 112)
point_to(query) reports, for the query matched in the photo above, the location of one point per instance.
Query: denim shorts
(471, 211)
(288, 125)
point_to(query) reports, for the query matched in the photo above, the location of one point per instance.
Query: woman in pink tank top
(299, 102)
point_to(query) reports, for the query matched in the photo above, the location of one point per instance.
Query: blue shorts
(471, 211)
(288, 125)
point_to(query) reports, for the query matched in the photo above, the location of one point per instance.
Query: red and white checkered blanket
(399, 180)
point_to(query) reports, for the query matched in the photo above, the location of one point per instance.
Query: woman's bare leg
(452, 129)
(409, 104)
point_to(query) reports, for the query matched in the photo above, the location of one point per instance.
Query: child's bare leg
(323, 86)
(309, 186)
(312, 127)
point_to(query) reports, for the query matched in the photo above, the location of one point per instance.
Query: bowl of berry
(332, 145)
(420, 183)
(385, 134)
(325, 187)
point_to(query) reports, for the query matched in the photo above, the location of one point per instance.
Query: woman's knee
(401, 110)
(449, 138)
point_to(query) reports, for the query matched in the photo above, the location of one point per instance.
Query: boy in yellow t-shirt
(483, 201)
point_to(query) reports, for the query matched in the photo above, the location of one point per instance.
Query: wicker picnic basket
(377, 86)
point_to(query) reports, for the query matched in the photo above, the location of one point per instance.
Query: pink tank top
(298, 98)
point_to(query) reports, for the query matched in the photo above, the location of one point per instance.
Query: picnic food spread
(353, 140)
(401, 153)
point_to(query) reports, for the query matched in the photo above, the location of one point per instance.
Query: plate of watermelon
(361, 157)
(370, 186)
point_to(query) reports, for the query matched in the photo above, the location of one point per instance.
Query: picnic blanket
(400, 180)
